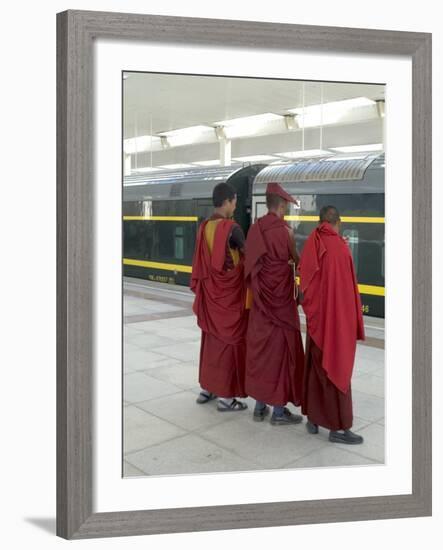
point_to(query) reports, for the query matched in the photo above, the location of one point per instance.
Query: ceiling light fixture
(304, 154)
(189, 135)
(165, 142)
(380, 107)
(346, 157)
(141, 143)
(146, 169)
(257, 119)
(220, 133)
(175, 166)
(206, 162)
(250, 125)
(255, 158)
(329, 113)
(291, 122)
(359, 148)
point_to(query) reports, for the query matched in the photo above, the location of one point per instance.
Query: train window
(260, 209)
(352, 236)
(203, 208)
(179, 243)
(165, 240)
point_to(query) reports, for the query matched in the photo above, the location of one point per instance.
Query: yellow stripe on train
(364, 289)
(344, 219)
(371, 289)
(158, 265)
(163, 218)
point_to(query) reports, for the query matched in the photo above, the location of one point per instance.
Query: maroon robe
(220, 308)
(275, 357)
(323, 404)
(331, 302)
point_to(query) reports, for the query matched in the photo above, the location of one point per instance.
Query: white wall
(28, 289)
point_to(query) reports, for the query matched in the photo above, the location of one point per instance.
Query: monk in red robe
(331, 302)
(218, 283)
(275, 357)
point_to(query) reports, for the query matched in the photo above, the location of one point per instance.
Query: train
(162, 212)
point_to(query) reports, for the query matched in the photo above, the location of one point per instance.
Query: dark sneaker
(286, 418)
(311, 427)
(347, 437)
(260, 414)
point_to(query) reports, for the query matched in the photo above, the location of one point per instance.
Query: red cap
(275, 189)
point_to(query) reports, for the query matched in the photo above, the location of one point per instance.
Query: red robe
(331, 302)
(220, 309)
(323, 403)
(275, 357)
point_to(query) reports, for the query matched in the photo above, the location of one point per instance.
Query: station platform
(166, 432)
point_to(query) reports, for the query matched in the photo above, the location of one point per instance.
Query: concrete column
(225, 152)
(381, 115)
(127, 165)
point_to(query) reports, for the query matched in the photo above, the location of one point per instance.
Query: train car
(162, 212)
(356, 187)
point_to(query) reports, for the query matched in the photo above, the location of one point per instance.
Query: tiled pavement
(166, 432)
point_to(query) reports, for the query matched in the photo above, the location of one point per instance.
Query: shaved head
(274, 201)
(329, 214)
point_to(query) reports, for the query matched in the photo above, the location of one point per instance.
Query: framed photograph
(154, 113)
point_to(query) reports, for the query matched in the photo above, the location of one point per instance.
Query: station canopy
(179, 122)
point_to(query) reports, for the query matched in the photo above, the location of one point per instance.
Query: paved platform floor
(166, 432)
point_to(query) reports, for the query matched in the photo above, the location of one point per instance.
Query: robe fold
(219, 305)
(322, 403)
(275, 357)
(331, 302)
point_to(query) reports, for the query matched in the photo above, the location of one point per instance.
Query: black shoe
(260, 414)
(286, 418)
(347, 437)
(311, 427)
(204, 397)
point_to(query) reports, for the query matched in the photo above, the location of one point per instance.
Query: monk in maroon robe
(218, 283)
(275, 357)
(331, 302)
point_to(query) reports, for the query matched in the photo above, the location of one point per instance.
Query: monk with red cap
(331, 302)
(275, 358)
(218, 283)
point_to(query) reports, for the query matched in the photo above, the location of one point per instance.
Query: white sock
(227, 400)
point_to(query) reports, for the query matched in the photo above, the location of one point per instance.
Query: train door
(243, 181)
(259, 208)
(242, 214)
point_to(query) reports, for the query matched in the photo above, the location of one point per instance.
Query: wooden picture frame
(76, 31)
